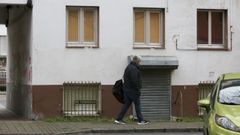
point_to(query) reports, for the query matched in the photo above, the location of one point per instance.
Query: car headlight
(226, 123)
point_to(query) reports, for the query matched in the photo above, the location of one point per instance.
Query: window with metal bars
(81, 99)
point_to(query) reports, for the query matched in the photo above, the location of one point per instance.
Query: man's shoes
(144, 122)
(120, 122)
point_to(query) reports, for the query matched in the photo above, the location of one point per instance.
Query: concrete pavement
(11, 124)
(47, 128)
(4, 113)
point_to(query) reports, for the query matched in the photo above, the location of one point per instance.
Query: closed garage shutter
(155, 98)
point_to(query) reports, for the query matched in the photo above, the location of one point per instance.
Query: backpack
(117, 91)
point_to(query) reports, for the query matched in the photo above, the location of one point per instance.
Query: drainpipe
(231, 25)
(181, 98)
(167, 7)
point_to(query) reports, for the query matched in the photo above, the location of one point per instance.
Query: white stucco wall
(53, 63)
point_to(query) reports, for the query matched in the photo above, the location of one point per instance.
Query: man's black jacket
(132, 79)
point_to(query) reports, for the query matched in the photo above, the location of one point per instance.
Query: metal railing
(205, 89)
(81, 98)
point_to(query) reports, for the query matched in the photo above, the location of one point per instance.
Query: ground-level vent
(204, 89)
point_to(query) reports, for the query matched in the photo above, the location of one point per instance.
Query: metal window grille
(81, 98)
(205, 89)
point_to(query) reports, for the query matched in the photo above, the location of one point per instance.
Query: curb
(136, 130)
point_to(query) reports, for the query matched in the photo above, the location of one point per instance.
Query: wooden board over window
(148, 28)
(139, 27)
(82, 26)
(154, 27)
(73, 25)
(89, 25)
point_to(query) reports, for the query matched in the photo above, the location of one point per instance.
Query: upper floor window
(212, 29)
(148, 28)
(82, 26)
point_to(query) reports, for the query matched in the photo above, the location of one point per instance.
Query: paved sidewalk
(39, 127)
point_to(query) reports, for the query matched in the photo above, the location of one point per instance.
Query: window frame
(210, 45)
(81, 42)
(147, 28)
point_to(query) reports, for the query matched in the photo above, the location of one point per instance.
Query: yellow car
(222, 107)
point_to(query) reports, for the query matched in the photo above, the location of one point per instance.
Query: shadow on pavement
(6, 114)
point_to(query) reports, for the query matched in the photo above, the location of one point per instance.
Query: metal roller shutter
(155, 98)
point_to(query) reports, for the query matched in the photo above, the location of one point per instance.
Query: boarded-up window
(89, 25)
(148, 27)
(73, 25)
(82, 26)
(154, 27)
(211, 27)
(139, 27)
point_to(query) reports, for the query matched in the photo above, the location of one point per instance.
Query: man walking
(131, 87)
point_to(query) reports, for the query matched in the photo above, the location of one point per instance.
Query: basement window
(81, 99)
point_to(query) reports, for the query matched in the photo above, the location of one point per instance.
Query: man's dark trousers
(130, 97)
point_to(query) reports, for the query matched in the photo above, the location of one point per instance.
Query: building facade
(182, 43)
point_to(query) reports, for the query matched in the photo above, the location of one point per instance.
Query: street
(175, 133)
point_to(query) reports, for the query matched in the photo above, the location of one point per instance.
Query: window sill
(148, 47)
(77, 45)
(212, 48)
